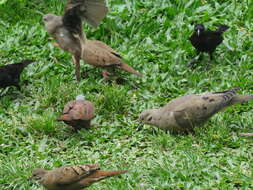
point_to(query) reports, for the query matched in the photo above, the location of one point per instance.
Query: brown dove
(67, 31)
(72, 177)
(78, 113)
(184, 113)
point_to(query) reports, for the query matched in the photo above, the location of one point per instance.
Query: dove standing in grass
(206, 40)
(10, 74)
(72, 177)
(184, 113)
(78, 113)
(67, 31)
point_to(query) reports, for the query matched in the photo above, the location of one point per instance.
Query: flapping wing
(92, 11)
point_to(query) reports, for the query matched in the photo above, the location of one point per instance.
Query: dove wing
(196, 109)
(96, 54)
(71, 174)
(92, 11)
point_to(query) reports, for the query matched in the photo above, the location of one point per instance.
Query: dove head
(149, 116)
(199, 28)
(52, 22)
(38, 174)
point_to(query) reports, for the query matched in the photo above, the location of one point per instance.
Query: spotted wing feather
(197, 109)
(71, 174)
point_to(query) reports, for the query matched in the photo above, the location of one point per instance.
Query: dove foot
(192, 63)
(120, 81)
(106, 75)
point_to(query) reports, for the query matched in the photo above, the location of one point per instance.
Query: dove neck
(84, 37)
(83, 40)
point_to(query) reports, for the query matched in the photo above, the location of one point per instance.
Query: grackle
(10, 74)
(206, 40)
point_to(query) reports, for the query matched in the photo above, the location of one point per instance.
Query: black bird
(10, 74)
(207, 40)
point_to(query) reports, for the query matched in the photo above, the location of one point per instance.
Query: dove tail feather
(27, 61)
(222, 28)
(100, 174)
(241, 98)
(129, 69)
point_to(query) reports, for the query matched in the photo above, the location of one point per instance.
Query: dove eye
(150, 118)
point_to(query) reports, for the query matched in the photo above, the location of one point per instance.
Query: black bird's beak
(198, 32)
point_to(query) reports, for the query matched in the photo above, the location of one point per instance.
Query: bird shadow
(115, 78)
(14, 92)
(11, 92)
(201, 63)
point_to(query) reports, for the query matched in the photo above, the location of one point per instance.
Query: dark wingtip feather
(230, 90)
(27, 61)
(222, 28)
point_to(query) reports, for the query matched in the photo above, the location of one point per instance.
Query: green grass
(152, 36)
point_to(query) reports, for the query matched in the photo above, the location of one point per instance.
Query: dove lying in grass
(72, 177)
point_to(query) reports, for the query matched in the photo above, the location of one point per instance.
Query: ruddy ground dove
(72, 177)
(78, 113)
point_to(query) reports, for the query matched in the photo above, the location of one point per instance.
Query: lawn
(152, 36)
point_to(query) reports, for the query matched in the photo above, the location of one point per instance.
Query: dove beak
(140, 121)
